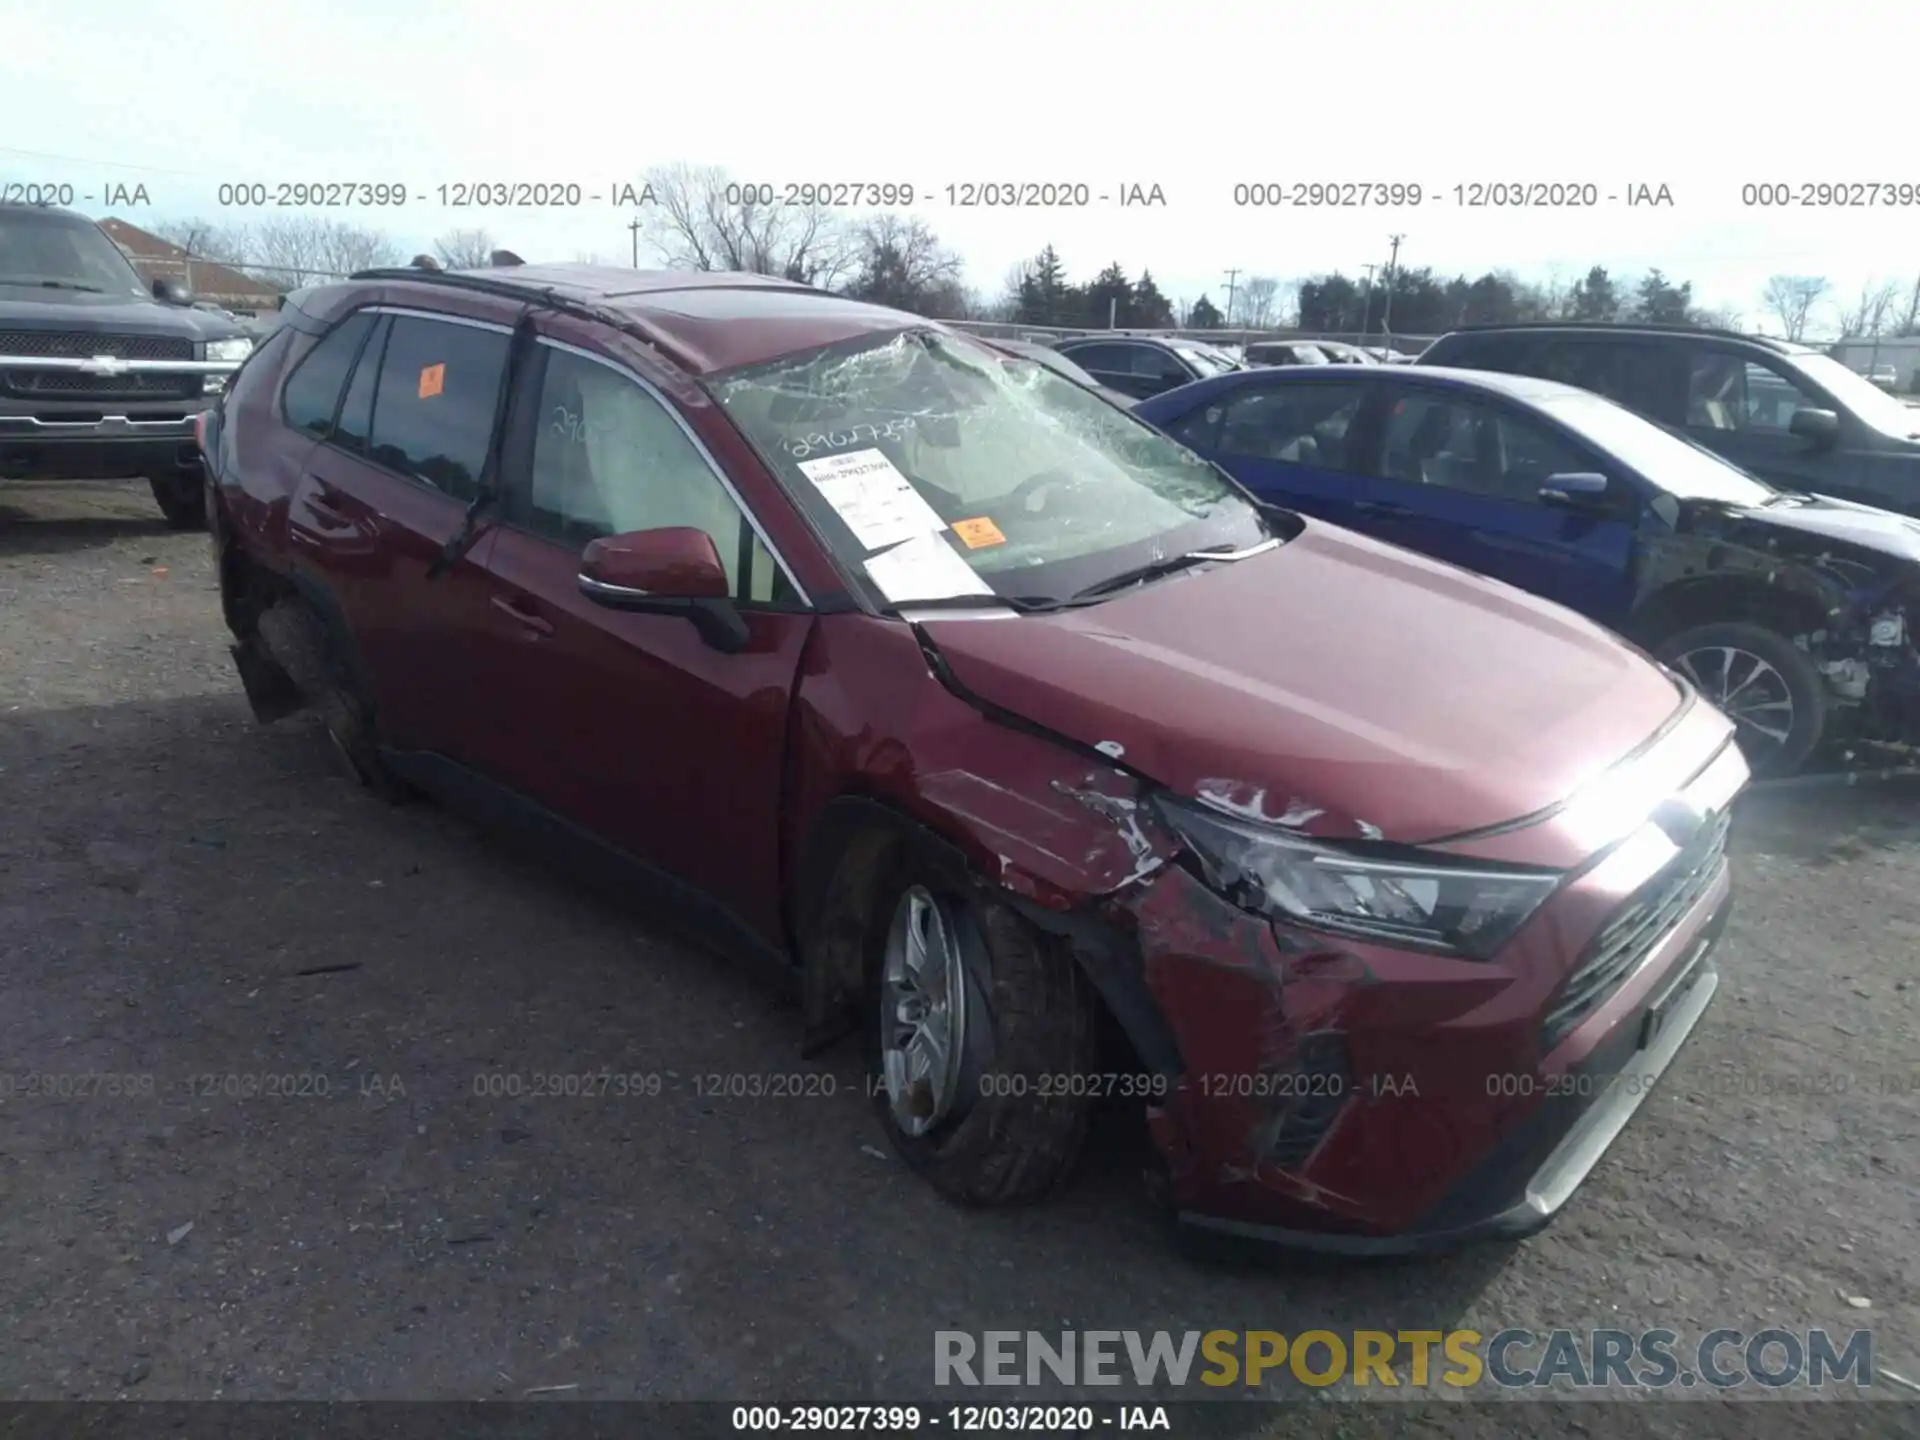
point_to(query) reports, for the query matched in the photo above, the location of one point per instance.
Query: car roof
(1525, 388)
(1121, 338)
(707, 320)
(49, 212)
(1600, 327)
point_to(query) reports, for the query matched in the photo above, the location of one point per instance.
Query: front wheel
(979, 1024)
(182, 499)
(1762, 682)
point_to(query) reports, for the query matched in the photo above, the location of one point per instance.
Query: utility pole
(634, 226)
(1393, 271)
(1366, 302)
(1233, 278)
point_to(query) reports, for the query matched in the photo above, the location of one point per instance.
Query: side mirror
(674, 570)
(1577, 490)
(1819, 428)
(171, 292)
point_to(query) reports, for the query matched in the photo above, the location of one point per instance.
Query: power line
(104, 164)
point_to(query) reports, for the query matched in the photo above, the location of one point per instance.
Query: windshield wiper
(1168, 565)
(68, 285)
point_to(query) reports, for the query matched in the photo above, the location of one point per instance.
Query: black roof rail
(540, 297)
(1618, 326)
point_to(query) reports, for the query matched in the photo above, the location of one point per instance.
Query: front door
(1458, 477)
(629, 725)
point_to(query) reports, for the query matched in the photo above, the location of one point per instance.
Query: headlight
(237, 348)
(1427, 902)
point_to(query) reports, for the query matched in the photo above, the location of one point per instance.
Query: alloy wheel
(1747, 690)
(923, 998)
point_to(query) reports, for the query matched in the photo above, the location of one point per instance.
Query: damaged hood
(1819, 518)
(1336, 683)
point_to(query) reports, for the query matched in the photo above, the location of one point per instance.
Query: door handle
(522, 615)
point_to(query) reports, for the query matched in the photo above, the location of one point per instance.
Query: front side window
(986, 478)
(1727, 392)
(434, 404)
(608, 459)
(1665, 458)
(1866, 401)
(1476, 448)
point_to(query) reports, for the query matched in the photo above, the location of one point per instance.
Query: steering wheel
(1030, 494)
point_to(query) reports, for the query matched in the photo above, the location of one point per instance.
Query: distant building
(1902, 352)
(155, 259)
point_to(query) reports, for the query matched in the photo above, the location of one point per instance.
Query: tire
(305, 648)
(1729, 662)
(182, 500)
(1028, 1018)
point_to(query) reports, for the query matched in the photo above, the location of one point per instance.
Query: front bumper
(110, 446)
(1464, 1109)
(1518, 1190)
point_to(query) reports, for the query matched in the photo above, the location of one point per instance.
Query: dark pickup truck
(101, 376)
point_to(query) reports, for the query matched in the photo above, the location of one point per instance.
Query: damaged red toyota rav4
(1000, 724)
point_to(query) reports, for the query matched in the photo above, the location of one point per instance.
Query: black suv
(1785, 412)
(1144, 365)
(100, 376)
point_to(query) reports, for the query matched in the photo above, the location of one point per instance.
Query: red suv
(1012, 733)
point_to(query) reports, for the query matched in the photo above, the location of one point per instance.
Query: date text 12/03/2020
(1325, 194)
(320, 193)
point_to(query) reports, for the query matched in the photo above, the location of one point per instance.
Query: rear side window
(313, 391)
(1297, 424)
(434, 403)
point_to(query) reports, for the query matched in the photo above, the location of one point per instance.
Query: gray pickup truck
(101, 375)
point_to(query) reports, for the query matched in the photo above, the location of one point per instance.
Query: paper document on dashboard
(924, 568)
(873, 497)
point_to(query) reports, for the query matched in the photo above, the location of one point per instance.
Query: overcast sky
(1701, 98)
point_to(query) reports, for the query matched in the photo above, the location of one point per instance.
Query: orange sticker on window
(433, 379)
(978, 533)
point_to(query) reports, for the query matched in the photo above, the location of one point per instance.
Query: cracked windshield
(947, 469)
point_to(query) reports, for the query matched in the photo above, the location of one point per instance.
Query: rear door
(629, 725)
(384, 490)
(1289, 442)
(1456, 475)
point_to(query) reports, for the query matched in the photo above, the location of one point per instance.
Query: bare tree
(1254, 304)
(1910, 313)
(466, 249)
(1871, 312)
(705, 221)
(296, 250)
(207, 239)
(903, 264)
(1790, 300)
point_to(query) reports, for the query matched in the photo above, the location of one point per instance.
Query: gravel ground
(185, 895)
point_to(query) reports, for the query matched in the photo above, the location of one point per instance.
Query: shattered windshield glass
(946, 469)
